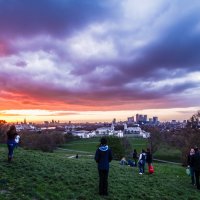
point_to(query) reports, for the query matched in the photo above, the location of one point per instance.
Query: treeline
(46, 141)
(183, 139)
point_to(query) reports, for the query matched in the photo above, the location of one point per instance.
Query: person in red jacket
(103, 157)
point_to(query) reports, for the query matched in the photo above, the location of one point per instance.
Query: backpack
(151, 169)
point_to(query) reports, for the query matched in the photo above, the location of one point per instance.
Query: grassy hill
(164, 152)
(41, 176)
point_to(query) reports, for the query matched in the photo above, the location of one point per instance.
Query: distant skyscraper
(141, 118)
(145, 118)
(130, 120)
(155, 119)
(137, 117)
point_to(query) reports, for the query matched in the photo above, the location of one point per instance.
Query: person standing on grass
(141, 162)
(11, 135)
(135, 157)
(103, 157)
(191, 165)
(196, 164)
(148, 157)
(149, 161)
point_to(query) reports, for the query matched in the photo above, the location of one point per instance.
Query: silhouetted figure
(11, 135)
(77, 156)
(135, 156)
(196, 164)
(148, 157)
(103, 156)
(191, 165)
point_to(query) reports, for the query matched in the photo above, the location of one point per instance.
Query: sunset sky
(95, 60)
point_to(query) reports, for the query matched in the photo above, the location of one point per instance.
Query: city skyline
(98, 60)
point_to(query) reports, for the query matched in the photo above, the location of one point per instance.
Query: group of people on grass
(140, 161)
(103, 157)
(193, 161)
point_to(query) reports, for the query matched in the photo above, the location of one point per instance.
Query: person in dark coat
(190, 164)
(148, 157)
(103, 157)
(196, 164)
(11, 134)
(135, 156)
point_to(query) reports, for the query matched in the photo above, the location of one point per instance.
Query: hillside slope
(41, 176)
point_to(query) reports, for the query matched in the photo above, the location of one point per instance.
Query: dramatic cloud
(76, 55)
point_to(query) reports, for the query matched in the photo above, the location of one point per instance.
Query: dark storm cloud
(29, 17)
(87, 53)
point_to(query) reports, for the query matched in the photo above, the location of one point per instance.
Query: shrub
(46, 142)
(3, 130)
(120, 147)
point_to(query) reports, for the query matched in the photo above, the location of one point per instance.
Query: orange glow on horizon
(39, 116)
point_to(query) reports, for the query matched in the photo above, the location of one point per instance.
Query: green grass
(138, 143)
(89, 146)
(53, 176)
(169, 154)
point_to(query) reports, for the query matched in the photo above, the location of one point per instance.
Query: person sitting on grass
(123, 161)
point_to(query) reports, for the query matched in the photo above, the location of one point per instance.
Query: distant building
(145, 118)
(137, 118)
(135, 130)
(155, 120)
(130, 120)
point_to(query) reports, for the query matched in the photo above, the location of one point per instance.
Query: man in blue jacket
(103, 156)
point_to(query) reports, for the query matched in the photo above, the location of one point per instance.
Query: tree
(194, 120)
(3, 129)
(155, 138)
(120, 147)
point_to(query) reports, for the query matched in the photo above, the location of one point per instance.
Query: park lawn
(35, 175)
(168, 153)
(138, 143)
(90, 145)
